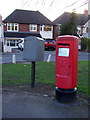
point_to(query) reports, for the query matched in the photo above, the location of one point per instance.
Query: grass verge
(45, 73)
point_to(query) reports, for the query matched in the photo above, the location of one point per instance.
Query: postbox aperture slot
(63, 44)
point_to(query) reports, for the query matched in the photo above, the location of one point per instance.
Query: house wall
(55, 31)
(5, 26)
(1, 34)
(44, 34)
(23, 27)
(38, 28)
(0, 37)
(9, 47)
(87, 29)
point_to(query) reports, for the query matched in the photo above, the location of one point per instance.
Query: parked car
(50, 44)
(21, 45)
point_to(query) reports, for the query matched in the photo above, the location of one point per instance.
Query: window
(12, 26)
(12, 42)
(33, 27)
(84, 30)
(8, 43)
(46, 28)
(79, 30)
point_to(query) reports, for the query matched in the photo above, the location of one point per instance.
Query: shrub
(85, 44)
(69, 27)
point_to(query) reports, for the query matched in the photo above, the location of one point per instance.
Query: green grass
(15, 74)
(21, 73)
(45, 73)
(83, 76)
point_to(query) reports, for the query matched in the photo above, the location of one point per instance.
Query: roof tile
(81, 18)
(28, 17)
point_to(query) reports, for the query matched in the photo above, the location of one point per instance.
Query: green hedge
(85, 44)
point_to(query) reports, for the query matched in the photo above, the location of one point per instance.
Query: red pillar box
(66, 68)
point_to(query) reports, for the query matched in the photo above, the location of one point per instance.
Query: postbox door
(63, 67)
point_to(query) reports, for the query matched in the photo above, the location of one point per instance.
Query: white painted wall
(47, 35)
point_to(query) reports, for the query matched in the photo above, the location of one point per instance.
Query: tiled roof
(21, 34)
(81, 18)
(28, 17)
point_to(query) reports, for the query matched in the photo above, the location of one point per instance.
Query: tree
(70, 27)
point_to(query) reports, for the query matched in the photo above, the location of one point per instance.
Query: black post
(33, 74)
(2, 47)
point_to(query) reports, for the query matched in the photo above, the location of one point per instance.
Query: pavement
(24, 104)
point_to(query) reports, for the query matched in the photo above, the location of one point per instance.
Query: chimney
(89, 7)
(86, 12)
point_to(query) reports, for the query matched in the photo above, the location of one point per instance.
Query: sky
(50, 8)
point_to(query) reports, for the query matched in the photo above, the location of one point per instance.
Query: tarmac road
(26, 105)
(7, 57)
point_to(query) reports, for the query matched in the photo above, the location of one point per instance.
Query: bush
(85, 44)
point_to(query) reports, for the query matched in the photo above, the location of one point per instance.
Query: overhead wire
(52, 3)
(84, 3)
(45, 5)
(72, 4)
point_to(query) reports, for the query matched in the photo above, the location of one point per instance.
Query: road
(7, 57)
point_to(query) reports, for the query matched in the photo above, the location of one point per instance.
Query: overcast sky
(50, 8)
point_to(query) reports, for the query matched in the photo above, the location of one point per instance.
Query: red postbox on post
(66, 68)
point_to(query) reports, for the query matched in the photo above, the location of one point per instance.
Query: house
(1, 34)
(22, 23)
(86, 31)
(81, 21)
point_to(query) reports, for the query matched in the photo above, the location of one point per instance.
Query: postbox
(33, 49)
(66, 64)
(34, 52)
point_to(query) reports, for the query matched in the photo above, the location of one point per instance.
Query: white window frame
(9, 42)
(84, 29)
(48, 26)
(33, 27)
(12, 26)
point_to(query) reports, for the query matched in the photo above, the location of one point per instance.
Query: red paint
(66, 61)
